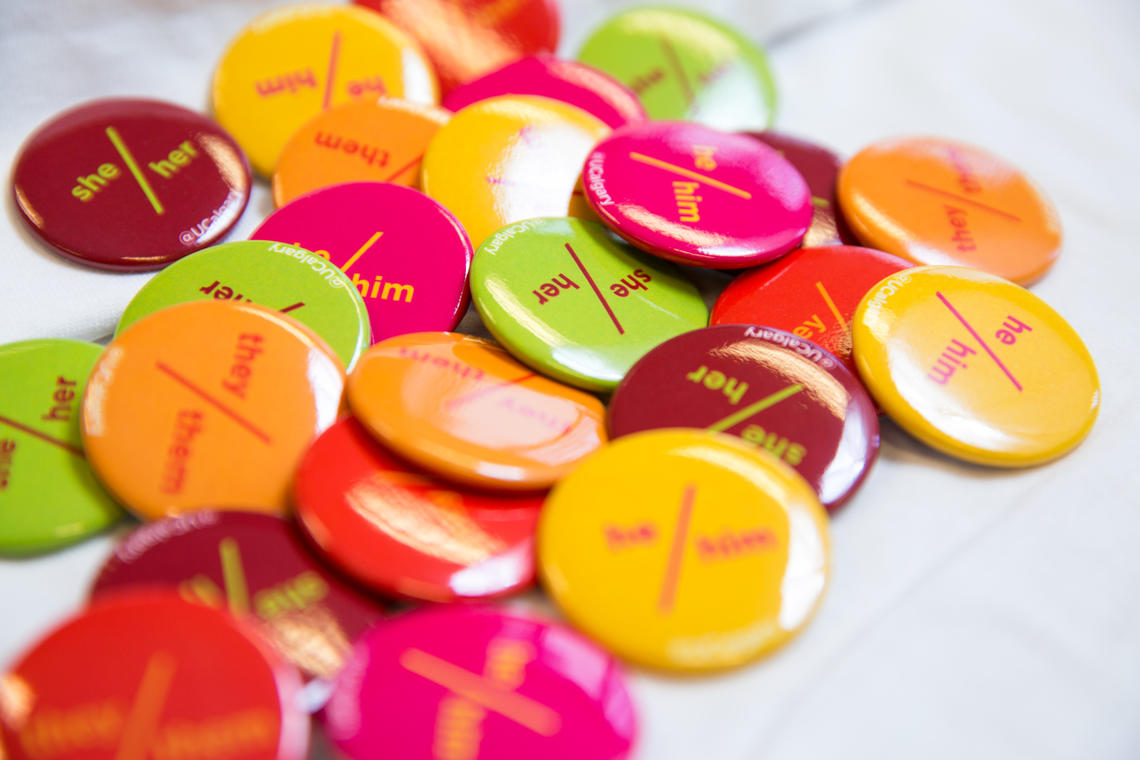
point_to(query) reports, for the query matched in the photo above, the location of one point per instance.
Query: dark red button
(820, 167)
(770, 388)
(594, 91)
(134, 184)
(812, 293)
(406, 533)
(249, 564)
(144, 674)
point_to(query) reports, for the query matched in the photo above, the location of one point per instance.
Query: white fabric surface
(973, 612)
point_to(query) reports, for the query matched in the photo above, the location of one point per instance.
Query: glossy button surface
(287, 278)
(404, 532)
(976, 366)
(933, 201)
(509, 158)
(571, 301)
(468, 38)
(208, 403)
(146, 674)
(772, 389)
(125, 183)
(698, 196)
(293, 62)
(820, 169)
(477, 683)
(255, 566)
(461, 407)
(594, 91)
(48, 494)
(405, 254)
(361, 141)
(686, 65)
(685, 550)
(811, 292)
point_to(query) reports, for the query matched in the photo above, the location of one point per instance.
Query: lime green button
(304, 285)
(48, 494)
(566, 297)
(686, 65)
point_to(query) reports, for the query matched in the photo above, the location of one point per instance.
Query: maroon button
(812, 293)
(250, 564)
(820, 167)
(406, 533)
(770, 388)
(594, 91)
(133, 184)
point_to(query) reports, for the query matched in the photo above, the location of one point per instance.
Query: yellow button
(509, 158)
(685, 550)
(975, 366)
(290, 64)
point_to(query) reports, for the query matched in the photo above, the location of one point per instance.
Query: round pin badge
(478, 683)
(811, 292)
(208, 403)
(937, 202)
(685, 550)
(571, 301)
(363, 141)
(462, 408)
(686, 65)
(130, 184)
(467, 38)
(404, 532)
(820, 169)
(146, 674)
(289, 279)
(509, 158)
(698, 196)
(976, 366)
(48, 494)
(255, 566)
(291, 63)
(594, 91)
(406, 256)
(768, 387)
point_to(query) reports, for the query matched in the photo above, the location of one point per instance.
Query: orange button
(208, 404)
(356, 142)
(934, 201)
(461, 407)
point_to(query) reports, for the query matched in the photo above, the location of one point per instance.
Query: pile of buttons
(302, 433)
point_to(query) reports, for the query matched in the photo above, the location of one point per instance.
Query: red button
(406, 533)
(780, 393)
(130, 184)
(144, 674)
(820, 169)
(812, 292)
(250, 564)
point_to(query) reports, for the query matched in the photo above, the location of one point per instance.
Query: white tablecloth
(973, 612)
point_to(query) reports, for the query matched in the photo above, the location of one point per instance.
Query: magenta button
(698, 196)
(572, 82)
(406, 254)
(476, 683)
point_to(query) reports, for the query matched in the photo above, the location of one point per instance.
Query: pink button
(475, 683)
(405, 253)
(698, 196)
(594, 91)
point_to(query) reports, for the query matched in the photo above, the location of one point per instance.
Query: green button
(292, 280)
(48, 494)
(685, 65)
(569, 299)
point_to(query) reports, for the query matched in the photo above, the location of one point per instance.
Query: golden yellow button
(975, 366)
(685, 550)
(292, 63)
